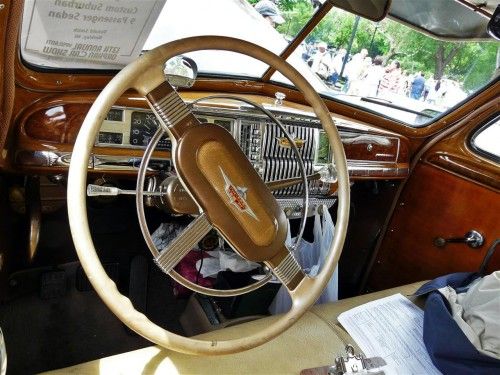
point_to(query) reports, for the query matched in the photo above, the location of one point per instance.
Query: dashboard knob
(279, 98)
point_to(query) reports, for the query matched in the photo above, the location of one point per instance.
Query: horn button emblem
(237, 195)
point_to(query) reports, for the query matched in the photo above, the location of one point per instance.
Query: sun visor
(447, 19)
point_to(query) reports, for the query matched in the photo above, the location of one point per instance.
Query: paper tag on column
(91, 34)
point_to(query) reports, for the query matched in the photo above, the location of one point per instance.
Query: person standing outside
(336, 67)
(391, 81)
(270, 12)
(322, 61)
(357, 82)
(435, 92)
(417, 86)
(405, 86)
(353, 68)
(373, 76)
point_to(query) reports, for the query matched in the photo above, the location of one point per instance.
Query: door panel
(451, 191)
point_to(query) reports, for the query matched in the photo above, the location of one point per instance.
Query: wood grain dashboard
(47, 130)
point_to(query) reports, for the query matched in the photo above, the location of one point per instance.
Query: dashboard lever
(472, 238)
(99, 190)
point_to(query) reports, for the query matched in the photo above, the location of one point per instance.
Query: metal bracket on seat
(352, 363)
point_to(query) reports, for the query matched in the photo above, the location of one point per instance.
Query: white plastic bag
(165, 234)
(311, 257)
(331, 292)
(221, 260)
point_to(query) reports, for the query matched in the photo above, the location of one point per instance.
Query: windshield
(237, 19)
(385, 67)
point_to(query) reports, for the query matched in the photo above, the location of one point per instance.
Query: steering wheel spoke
(169, 107)
(286, 268)
(183, 243)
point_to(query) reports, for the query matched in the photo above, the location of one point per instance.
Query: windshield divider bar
(303, 33)
(478, 8)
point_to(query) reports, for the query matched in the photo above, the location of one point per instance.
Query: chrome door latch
(472, 238)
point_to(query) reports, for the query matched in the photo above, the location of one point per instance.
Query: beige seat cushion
(313, 341)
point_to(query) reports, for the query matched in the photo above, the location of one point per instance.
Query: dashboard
(48, 129)
(369, 154)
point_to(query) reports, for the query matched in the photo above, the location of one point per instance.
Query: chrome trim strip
(3, 355)
(107, 162)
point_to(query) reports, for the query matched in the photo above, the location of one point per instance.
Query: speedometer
(143, 127)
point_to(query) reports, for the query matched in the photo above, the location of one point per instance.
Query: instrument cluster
(134, 127)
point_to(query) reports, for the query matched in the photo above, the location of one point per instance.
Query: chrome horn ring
(154, 250)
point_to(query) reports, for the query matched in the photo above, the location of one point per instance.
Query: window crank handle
(472, 238)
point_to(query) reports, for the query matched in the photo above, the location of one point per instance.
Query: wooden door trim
(469, 122)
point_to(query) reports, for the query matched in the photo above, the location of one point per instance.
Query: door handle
(472, 238)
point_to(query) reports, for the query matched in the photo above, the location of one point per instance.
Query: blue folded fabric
(449, 348)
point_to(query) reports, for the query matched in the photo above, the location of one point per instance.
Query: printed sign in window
(105, 34)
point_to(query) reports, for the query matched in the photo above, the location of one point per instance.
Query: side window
(486, 140)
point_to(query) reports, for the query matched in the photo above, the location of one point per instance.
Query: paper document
(92, 34)
(391, 328)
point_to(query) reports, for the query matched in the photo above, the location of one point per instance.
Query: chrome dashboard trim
(112, 163)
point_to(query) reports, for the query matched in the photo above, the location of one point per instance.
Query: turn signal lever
(472, 238)
(175, 199)
(99, 190)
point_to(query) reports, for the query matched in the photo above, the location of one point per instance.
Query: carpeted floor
(47, 334)
(74, 327)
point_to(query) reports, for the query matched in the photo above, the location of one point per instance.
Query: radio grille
(246, 136)
(279, 160)
(275, 144)
(267, 148)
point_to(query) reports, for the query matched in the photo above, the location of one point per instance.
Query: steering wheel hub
(212, 165)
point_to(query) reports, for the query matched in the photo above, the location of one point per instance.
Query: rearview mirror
(494, 24)
(374, 10)
(181, 71)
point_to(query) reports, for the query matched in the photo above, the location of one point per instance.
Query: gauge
(110, 138)
(143, 128)
(115, 115)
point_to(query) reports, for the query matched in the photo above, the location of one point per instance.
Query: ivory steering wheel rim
(143, 75)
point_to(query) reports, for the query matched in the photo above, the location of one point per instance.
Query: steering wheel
(212, 168)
